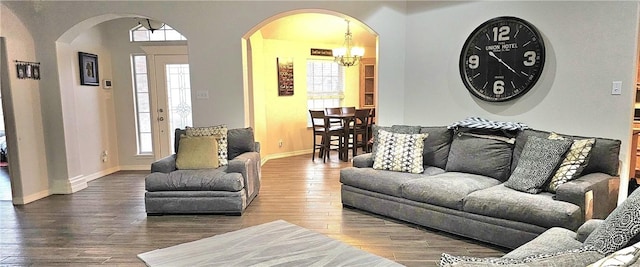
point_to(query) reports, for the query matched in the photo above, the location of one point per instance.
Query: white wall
(94, 107)
(88, 113)
(21, 100)
(588, 45)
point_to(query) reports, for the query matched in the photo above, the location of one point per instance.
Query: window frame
(136, 95)
(156, 33)
(324, 96)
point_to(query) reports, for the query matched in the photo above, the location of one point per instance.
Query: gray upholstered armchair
(227, 189)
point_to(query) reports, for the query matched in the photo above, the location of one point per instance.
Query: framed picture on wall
(21, 70)
(285, 76)
(88, 69)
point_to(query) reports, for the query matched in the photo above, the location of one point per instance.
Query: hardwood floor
(106, 223)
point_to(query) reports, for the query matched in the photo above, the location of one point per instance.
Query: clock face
(502, 59)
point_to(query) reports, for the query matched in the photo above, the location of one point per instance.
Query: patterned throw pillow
(538, 161)
(220, 132)
(618, 228)
(574, 257)
(574, 161)
(623, 257)
(399, 152)
(403, 129)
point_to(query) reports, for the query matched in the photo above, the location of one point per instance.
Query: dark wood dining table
(346, 118)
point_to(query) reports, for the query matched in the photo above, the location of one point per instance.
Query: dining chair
(348, 110)
(372, 121)
(326, 133)
(334, 111)
(359, 132)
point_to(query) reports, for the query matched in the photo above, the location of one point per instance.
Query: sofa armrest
(165, 165)
(587, 228)
(363, 161)
(247, 164)
(595, 193)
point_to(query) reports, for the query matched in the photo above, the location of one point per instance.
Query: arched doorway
(281, 122)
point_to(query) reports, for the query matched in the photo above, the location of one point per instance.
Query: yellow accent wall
(285, 117)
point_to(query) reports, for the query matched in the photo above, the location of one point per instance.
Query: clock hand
(503, 63)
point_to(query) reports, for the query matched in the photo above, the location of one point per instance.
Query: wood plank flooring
(106, 223)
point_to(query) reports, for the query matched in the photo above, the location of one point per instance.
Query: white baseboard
(31, 198)
(135, 167)
(285, 155)
(77, 183)
(102, 173)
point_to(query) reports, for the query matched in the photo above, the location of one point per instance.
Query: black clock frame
(484, 27)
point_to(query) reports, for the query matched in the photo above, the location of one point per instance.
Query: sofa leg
(155, 214)
(233, 214)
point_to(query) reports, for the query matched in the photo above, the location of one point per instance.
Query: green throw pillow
(197, 153)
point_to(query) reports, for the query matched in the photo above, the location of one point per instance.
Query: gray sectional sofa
(228, 189)
(462, 189)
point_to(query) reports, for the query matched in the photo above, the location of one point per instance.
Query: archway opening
(281, 121)
(114, 125)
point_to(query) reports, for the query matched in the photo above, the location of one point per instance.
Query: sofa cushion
(539, 209)
(403, 129)
(604, 153)
(195, 180)
(552, 240)
(619, 227)
(385, 182)
(478, 155)
(572, 257)
(240, 140)
(220, 131)
(538, 161)
(436, 147)
(446, 189)
(399, 152)
(197, 153)
(574, 162)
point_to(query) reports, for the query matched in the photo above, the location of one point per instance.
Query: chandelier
(150, 24)
(348, 55)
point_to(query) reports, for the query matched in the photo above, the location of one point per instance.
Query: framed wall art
(88, 69)
(285, 76)
(28, 70)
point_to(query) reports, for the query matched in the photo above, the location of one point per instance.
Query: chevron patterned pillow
(399, 152)
(573, 163)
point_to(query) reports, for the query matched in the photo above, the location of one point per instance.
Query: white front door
(172, 101)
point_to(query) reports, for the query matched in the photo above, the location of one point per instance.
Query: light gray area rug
(277, 243)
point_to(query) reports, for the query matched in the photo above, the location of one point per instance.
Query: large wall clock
(502, 59)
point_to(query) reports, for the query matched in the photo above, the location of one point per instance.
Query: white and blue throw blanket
(480, 123)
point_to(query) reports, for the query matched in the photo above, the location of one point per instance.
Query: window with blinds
(325, 84)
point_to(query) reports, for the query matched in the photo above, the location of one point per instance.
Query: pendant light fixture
(150, 24)
(348, 55)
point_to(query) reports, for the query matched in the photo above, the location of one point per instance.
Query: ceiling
(317, 28)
